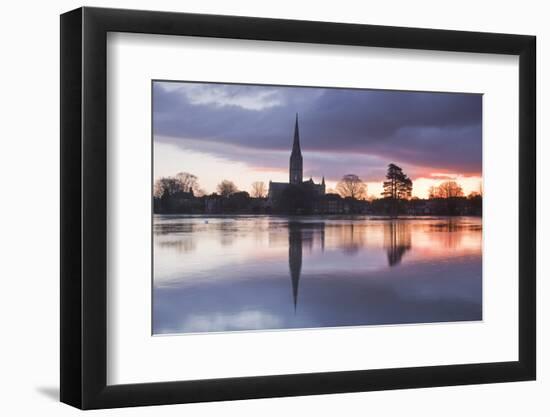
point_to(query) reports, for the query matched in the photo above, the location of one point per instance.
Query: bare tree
(226, 188)
(187, 181)
(199, 192)
(352, 186)
(258, 189)
(166, 187)
(449, 189)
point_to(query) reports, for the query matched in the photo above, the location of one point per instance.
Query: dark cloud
(424, 131)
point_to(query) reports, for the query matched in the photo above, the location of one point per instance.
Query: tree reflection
(397, 241)
(181, 245)
(228, 232)
(352, 238)
(179, 236)
(451, 233)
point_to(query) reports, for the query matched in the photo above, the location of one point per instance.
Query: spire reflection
(302, 235)
(295, 258)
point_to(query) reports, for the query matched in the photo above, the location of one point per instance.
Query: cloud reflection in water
(254, 273)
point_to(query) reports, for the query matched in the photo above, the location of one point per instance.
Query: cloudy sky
(244, 133)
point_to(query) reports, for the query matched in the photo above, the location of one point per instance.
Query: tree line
(172, 194)
(184, 182)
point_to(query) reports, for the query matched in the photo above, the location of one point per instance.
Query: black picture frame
(84, 207)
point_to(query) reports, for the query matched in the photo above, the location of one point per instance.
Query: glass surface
(291, 207)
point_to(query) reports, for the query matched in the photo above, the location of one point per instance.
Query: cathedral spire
(296, 144)
(296, 163)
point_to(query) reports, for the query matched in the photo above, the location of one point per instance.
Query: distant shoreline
(370, 216)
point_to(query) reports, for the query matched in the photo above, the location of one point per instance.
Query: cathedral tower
(296, 163)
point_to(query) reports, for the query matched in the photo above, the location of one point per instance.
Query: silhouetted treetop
(258, 189)
(447, 189)
(183, 182)
(352, 186)
(398, 185)
(226, 188)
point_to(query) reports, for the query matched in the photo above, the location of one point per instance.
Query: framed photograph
(257, 208)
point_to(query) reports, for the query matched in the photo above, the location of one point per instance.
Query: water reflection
(295, 258)
(353, 238)
(232, 273)
(397, 240)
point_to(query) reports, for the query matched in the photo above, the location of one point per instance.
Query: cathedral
(276, 189)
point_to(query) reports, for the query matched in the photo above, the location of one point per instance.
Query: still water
(215, 274)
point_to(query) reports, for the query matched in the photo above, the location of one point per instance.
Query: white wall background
(29, 237)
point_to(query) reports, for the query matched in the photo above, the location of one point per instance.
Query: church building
(296, 170)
